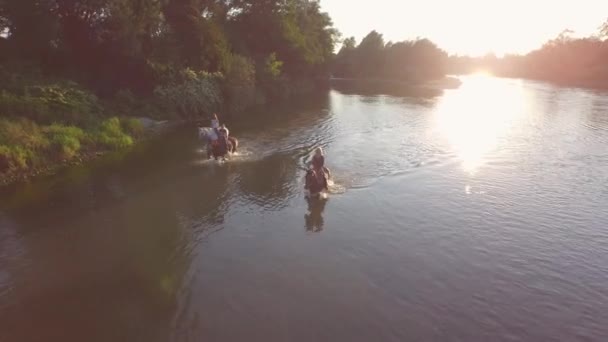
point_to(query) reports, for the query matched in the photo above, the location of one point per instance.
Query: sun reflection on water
(476, 119)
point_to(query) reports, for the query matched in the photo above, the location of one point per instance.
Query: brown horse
(216, 151)
(315, 183)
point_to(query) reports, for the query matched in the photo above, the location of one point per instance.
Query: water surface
(474, 214)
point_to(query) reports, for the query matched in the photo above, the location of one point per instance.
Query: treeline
(417, 60)
(563, 60)
(139, 45)
(71, 70)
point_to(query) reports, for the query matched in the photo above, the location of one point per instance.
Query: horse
(314, 183)
(206, 134)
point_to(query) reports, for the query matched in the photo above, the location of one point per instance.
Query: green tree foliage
(408, 60)
(301, 36)
(191, 93)
(114, 44)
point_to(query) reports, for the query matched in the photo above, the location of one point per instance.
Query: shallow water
(475, 214)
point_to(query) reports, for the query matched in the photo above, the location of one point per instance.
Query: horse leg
(234, 144)
(327, 171)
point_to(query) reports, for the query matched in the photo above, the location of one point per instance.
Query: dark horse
(220, 151)
(217, 150)
(315, 183)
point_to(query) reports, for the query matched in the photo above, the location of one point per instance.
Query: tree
(420, 59)
(603, 30)
(201, 41)
(370, 54)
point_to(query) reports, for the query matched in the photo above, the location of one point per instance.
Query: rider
(213, 135)
(215, 122)
(318, 163)
(223, 144)
(318, 159)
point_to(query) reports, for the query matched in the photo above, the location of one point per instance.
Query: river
(473, 214)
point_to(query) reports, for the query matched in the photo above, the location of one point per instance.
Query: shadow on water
(103, 247)
(373, 88)
(269, 182)
(314, 218)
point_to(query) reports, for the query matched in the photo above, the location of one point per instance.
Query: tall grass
(25, 145)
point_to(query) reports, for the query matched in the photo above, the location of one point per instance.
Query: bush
(22, 142)
(272, 67)
(239, 82)
(239, 71)
(15, 158)
(65, 140)
(64, 102)
(22, 133)
(191, 94)
(124, 103)
(133, 127)
(68, 102)
(110, 135)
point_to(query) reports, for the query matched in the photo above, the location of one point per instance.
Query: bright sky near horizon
(472, 27)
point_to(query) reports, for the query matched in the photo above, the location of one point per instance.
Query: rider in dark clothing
(319, 170)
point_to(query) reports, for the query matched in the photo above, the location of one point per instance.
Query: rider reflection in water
(314, 218)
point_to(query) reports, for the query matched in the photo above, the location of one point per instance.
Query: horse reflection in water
(314, 218)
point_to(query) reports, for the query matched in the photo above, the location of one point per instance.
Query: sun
(476, 120)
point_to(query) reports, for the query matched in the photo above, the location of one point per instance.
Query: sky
(469, 27)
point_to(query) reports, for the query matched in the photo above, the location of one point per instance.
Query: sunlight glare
(476, 119)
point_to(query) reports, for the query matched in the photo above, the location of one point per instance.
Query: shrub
(22, 133)
(65, 140)
(124, 103)
(5, 158)
(133, 127)
(191, 94)
(23, 158)
(272, 66)
(14, 158)
(239, 82)
(68, 102)
(110, 135)
(239, 71)
(64, 102)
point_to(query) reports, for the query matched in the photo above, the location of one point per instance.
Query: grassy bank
(28, 149)
(46, 123)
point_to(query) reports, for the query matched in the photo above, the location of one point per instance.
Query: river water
(473, 214)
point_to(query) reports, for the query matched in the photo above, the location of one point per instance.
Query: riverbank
(421, 89)
(44, 150)
(447, 82)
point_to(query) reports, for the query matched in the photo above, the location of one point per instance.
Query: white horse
(207, 134)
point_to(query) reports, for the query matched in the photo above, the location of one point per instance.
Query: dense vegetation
(74, 70)
(563, 60)
(418, 60)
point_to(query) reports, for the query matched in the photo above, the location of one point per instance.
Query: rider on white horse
(212, 135)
